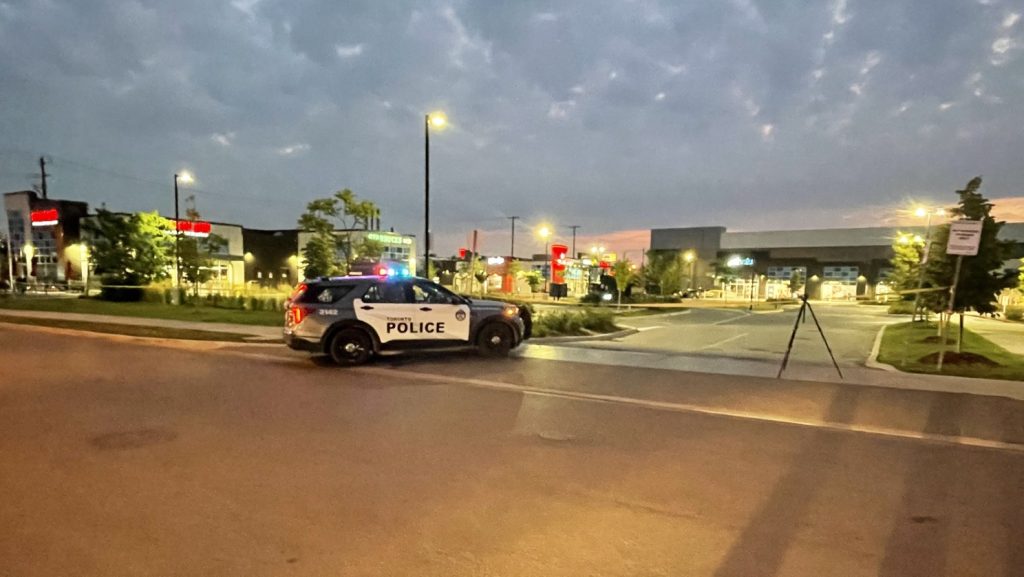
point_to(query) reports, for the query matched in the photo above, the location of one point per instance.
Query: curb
(872, 362)
(576, 339)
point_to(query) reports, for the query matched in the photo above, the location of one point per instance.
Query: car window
(325, 294)
(425, 292)
(389, 292)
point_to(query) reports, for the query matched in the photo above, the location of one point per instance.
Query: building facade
(826, 264)
(44, 238)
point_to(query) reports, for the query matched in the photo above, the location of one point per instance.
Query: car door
(441, 312)
(388, 307)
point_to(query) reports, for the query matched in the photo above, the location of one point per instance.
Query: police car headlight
(511, 311)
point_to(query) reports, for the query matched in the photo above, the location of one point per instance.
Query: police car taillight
(296, 314)
(298, 292)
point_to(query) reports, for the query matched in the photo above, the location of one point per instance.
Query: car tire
(351, 347)
(494, 340)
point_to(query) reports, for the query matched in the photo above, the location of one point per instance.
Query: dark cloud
(609, 114)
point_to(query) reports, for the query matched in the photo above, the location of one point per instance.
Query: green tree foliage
(906, 264)
(982, 277)
(195, 255)
(664, 270)
(796, 281)
(624, 273)
(133, 249)
(328, 252)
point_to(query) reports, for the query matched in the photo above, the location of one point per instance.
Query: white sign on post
(964, 237)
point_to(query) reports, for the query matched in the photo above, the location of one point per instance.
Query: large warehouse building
(829, 264)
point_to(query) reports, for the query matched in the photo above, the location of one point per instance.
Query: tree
(906, 264)
(625, 275)
(982, 277)
(664, 270)
(129, 249)
(195, 255)
(796, 281)
(332, 220)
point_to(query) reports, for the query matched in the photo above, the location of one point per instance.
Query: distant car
(353, 318)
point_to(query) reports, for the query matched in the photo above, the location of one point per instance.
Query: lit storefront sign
(558, 252)
(386, 238)
(195, 228)
(46, 217)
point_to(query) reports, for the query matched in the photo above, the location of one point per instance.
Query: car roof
(360, 279)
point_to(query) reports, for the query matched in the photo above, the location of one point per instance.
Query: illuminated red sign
(558, 252)
(46, 217)
(194, 228)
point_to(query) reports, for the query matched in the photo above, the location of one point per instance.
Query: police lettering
(414, 328)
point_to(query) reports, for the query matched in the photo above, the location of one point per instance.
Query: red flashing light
(462, 253)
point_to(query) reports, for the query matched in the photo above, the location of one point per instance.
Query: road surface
(127, 459)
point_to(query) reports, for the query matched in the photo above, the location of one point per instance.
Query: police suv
(352, 318)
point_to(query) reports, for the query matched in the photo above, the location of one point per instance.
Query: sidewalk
(258, 332)
(1009, 335)
(822, 373)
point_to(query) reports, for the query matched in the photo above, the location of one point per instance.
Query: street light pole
(924, 258)
(426, 195)
(177, 244)
(512, 249)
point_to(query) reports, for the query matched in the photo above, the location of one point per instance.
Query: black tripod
(806, 306)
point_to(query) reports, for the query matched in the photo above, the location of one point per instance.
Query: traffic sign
(964, 237)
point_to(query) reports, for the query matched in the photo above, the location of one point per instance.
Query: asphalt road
(123, 459)
(735, 333)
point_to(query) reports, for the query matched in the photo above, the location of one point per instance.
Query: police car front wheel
(351, 347)
(495, 340)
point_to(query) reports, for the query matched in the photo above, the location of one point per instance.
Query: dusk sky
(613, 115)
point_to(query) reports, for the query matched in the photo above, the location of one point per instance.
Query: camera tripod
(802, 315)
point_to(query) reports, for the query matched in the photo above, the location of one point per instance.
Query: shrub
(901, 308)
(1015, 313)
(574, 322)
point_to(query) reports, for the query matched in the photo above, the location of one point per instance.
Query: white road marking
(692, 409)
(723, 341)
(650, 328)
(729, 320)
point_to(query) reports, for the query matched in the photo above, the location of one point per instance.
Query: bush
(574, 322)
(1015, 313)
(901, 308)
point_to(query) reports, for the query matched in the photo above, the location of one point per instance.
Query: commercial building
(44, 237)
(829, 264)
(47, 246)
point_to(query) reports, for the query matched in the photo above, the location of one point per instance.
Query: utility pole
(512, 249)
(42, 175)
(574, 227)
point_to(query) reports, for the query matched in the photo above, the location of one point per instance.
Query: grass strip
(912, 347)
(193, 313)
(130, 330)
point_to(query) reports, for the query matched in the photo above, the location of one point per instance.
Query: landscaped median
(914, 347)
(189, 312)
(154, 332)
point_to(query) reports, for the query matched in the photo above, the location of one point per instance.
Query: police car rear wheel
(495, 340)
(351, 347)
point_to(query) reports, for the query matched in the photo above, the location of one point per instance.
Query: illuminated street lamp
(438, 121)
(922, 212)
(185, 178)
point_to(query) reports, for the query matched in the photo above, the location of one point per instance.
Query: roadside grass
(911, 347)
(194, 313)
(130, 330)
